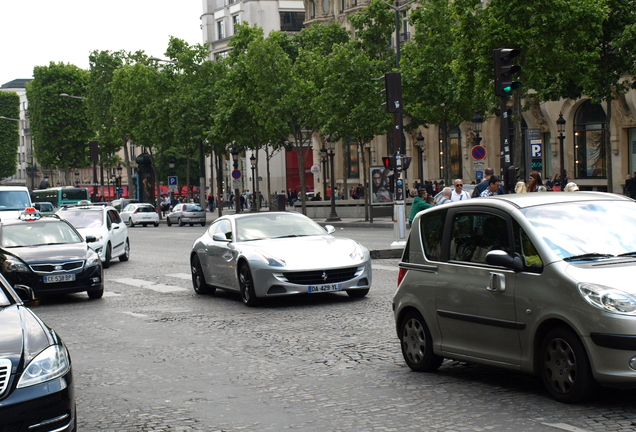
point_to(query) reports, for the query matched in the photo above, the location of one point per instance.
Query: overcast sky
(37, 32)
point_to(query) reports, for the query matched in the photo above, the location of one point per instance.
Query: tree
(350, 101)
(9, 133)
(60, 125)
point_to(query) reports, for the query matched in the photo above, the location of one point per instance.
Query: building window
(450, 154)
(220, 29)
(291, 21)
(235, 22)
(353, 160)
(589, 138)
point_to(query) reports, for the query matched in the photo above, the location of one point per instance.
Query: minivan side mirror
(24, 292)
(503, 259)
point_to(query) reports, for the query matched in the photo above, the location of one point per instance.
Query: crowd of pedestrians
(426, 195)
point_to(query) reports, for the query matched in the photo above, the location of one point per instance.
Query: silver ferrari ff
(273, 254)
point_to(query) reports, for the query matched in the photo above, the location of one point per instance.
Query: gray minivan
(534, 282)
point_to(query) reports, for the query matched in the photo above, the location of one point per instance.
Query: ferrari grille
(5, 373)
(316, 277)
(50, 268)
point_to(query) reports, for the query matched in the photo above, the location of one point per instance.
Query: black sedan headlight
(92, 260)
(53, 362)
(15, 265)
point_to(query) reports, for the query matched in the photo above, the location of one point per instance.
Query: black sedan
(49, 255)
(36, 380)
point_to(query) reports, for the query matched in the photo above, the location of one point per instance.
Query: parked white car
(106, 225)
(140, 213)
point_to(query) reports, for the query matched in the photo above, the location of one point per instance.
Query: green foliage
(59, 125)
(9, 133)
(374, 26)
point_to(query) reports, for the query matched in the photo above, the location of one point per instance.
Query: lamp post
(237, 192)
(323, 158)
(77, 179)
(477, 121)
(119, 171)
(333, 216)
(561, 128)
(420, 148)
(253, 166)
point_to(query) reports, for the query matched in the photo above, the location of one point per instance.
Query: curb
(386, 253)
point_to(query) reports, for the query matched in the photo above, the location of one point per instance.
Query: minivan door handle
(497, 282)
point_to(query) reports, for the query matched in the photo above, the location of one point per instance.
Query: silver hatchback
(186, 213)
(537, 282)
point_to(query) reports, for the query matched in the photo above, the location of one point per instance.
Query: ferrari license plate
(324, 288)
(59, 278)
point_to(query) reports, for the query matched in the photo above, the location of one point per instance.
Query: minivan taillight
(401, 273)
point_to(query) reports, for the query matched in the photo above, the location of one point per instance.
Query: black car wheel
(126, 255)
(96, 294)
(180, 222)
(565, 368)
(131, 223)
(156, 224)
(109, 253)
(358, 293)
(417, 344)
(198, 278)
(246, 285)
(168, 222)
(202, 223)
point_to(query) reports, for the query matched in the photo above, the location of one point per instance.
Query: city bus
(61, 196)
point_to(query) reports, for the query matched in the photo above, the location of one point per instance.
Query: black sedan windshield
(40, 233)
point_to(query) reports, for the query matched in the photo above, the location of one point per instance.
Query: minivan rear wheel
(417, 344)
(565, 368)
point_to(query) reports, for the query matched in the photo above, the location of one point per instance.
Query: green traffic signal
(504, 69)
(513, 85)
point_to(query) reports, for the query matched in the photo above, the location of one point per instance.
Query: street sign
(315, 169)
(236, 184)
(535, 148)
(478, 152)
(236, 174)
(173, 181)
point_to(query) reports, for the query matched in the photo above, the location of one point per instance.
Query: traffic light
(392, 91)
(389, 162)
(504, 69)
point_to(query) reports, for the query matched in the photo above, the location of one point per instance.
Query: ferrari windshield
(264, 226)
(586, 229)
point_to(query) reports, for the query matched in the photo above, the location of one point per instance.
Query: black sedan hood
(58, 252)
(22, 333)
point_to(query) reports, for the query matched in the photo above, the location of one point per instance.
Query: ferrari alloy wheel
(246, 285)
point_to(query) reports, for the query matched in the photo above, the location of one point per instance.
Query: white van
(13, 201)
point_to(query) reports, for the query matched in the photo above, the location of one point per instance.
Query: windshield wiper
(588, 257)
(627, 254)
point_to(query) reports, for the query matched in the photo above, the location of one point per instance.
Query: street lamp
(77, 178)
(118, 182)
(237, 192)
(253, 166)
(561, 128)
(420, 148)
(323, 158)
(477, 121)
(333, 216)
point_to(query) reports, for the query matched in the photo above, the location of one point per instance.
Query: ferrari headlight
(270, 260)
(15, 265)
(51, 363)
(608, 299)
(357, 253)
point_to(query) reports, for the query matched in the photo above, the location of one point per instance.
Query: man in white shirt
(458, 191)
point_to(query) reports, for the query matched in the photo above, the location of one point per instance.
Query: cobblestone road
(153, 356)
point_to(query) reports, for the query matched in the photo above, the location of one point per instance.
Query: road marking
(185, 276)
(140, 283)
(133, 314)
(565, 427)
(384, 267)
